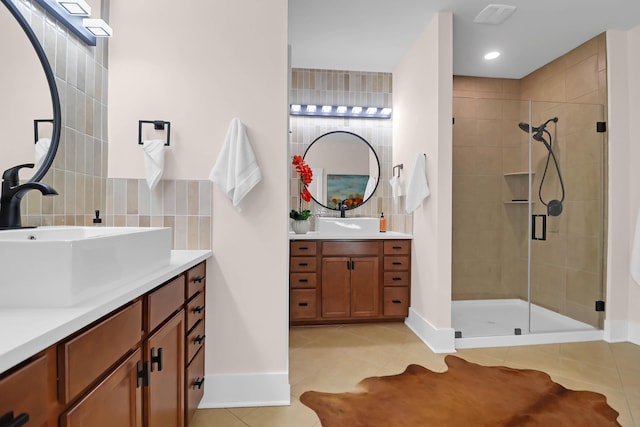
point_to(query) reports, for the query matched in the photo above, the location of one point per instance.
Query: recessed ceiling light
(491, 55)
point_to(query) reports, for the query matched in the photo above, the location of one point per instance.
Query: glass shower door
(566, 210)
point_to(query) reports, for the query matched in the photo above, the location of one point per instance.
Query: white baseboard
(634, 332)
(242, 390)
(438, 340)
(616, 330)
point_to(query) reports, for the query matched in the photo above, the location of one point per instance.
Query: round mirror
(30, 107)
(345, 168)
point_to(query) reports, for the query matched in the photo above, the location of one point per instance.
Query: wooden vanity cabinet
(334, 281)
(134, 367)
(303, 281)
(195, 336)
(24, 393)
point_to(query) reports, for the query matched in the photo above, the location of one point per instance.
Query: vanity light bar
(340, 111)
(97, 27)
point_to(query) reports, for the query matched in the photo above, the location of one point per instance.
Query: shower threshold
(504, 322)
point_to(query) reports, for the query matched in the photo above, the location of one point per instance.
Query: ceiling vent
(494, 14)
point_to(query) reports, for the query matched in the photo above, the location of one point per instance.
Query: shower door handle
(534, 234)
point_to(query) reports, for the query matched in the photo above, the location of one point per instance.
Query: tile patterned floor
(335, 358)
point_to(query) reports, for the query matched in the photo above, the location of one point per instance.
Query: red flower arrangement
(306, 176)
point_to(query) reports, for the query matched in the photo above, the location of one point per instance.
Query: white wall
(198, 67)
(623, 294)
(422, 108)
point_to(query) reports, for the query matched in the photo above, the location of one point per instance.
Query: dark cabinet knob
(199, 309)
(198, 339)
(156, 359)
(303, 304)
(198, 383)
(199, 279)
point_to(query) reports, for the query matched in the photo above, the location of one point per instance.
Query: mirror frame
(372, 150)
(53, 90)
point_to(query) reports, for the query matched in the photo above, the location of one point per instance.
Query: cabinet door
(24, 393)
(365, 289)
(164, 397)
(336, 284)
(116, 401)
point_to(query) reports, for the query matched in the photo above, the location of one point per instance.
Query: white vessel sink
(358, 225)
(61, 266)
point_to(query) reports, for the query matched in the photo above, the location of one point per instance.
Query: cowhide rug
(466, 395)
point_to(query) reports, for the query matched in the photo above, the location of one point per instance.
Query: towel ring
(157, 125)
(399, 167)
(35, 127)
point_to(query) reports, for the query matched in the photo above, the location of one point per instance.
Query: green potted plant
(301, 216)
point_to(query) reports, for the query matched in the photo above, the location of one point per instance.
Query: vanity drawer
(396, 263)
(303, 248)
(196, 278)
(24, 391)
(359, 248)
(164, 301)
(303, 264)
(302, 304)
(302, 280)
(84, 358)
(195, 310)
(194, 384)
(396, 278)
(396, 301)
(397, 247)
(195, 340)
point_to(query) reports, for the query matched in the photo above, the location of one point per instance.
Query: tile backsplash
(336, 87)
(183, 205)
(79, 170)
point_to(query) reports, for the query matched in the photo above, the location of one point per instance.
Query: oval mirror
(345, 168)
(30, 107)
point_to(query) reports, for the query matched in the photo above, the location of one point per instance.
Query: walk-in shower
(528, 222)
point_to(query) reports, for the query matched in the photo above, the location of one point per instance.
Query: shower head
(537, 131)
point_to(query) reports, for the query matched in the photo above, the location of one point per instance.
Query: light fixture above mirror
(73, 15)
(76, 7)
(340, 111)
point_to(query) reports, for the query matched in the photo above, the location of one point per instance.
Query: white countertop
(314, 235)
(27, 331)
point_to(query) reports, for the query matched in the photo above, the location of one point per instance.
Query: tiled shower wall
(312, 86)
(79, 170)
(489, 231)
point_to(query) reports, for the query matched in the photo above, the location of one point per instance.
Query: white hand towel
(153, 161)
(635, 253)
(371, 185)
(236, 171)
(42, 148)
(394, 182)
(418, 188)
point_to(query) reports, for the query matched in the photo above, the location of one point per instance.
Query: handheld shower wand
(554, 206)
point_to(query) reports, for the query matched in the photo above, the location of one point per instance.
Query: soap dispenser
(383, 223)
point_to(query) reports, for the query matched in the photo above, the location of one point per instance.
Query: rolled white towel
(42, 148)
(153, 161)
(418, 188)
(635, 253)
(394, 182)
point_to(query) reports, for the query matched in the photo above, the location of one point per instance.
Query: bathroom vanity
(132, 356)
(333, 279)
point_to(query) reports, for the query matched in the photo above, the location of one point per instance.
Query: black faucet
(343, 207)
(12, 194)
